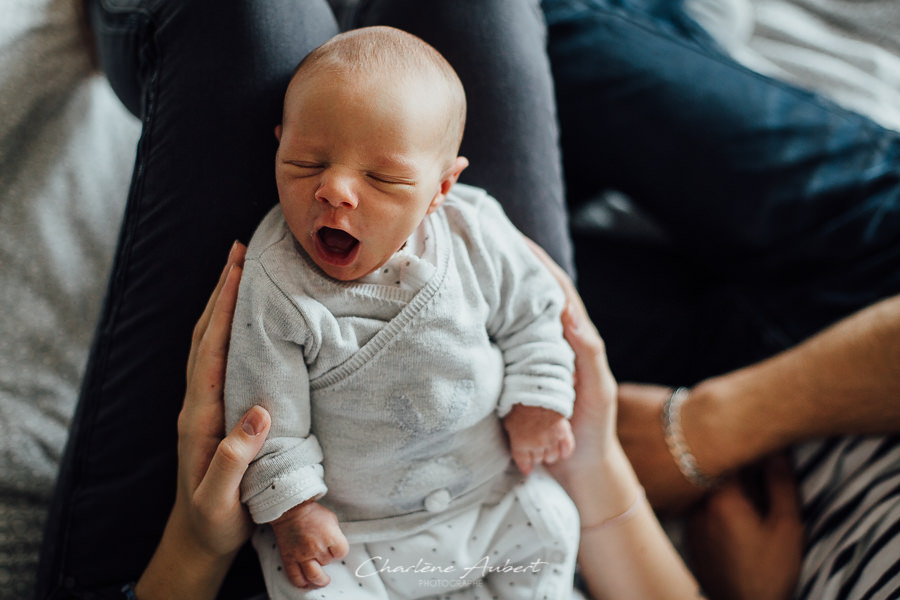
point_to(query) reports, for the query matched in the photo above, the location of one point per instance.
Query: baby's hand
(537, 435)
(308, 537)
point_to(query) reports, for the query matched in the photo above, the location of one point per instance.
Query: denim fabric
(783, 208)
(207, 82)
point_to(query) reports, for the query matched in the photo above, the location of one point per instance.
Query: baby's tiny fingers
(566, 446)
(551, 454)
(295, 575)
(339, 548)
(314, 573)
(523, 461)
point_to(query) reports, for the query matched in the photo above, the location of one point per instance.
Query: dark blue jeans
(782, 209)
(207, 79)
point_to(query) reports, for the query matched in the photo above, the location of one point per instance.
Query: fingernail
(234, 246)
(253, 422)
(572, 317)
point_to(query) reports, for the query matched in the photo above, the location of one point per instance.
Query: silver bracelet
(684, 459)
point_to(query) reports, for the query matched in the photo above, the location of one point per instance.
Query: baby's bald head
(395, 62)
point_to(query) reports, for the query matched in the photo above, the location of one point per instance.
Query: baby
(394, 324)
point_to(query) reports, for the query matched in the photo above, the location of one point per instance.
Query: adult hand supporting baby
(624, 552)
(597, 446)
(208, 524)
(593, 378)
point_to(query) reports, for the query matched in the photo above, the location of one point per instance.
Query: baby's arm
(266, 366)
(309, 537)
(537, 435)
(526, 325)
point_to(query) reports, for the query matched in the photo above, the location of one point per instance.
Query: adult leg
(783, 209)
(208, 84)
(511, 138)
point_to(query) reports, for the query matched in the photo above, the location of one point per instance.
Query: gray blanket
(66, 153)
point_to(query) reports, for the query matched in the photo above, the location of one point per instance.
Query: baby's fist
(308, 537)
(537, 435)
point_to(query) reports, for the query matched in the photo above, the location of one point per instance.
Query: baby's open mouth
(336, 246)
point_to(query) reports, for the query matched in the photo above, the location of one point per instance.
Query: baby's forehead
(382, 52)
(403, 90)
(376, 74)
(385, 62)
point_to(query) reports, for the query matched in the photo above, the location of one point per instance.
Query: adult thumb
(236, 451)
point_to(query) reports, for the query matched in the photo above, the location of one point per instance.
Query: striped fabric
(850, 488)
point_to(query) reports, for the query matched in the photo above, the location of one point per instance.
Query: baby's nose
(338, 191)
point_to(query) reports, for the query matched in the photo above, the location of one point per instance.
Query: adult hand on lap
(737, 552)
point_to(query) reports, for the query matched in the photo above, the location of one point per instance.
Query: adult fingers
(573, 298)
(218, 329)
(235, 257)
(555, 269)
(591, 366)
(208, 373)
(222, 480)
(729, 506)
(784, 501)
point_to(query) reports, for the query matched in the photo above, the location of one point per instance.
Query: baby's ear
(447, 180)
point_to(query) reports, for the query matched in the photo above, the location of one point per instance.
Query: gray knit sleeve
(526, 306)
(266, 367)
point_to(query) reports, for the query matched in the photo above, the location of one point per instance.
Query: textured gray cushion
(66, 154)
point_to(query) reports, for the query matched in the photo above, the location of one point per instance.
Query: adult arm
(629, 557)
(844, 380)
(208, 524)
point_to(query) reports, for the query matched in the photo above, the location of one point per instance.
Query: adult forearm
(179, 569)
(845, 380)
(630, 557)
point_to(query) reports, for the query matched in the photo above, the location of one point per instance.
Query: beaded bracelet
(684, 459)
(621, 517)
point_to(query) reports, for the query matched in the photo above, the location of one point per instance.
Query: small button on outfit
(438, 500)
